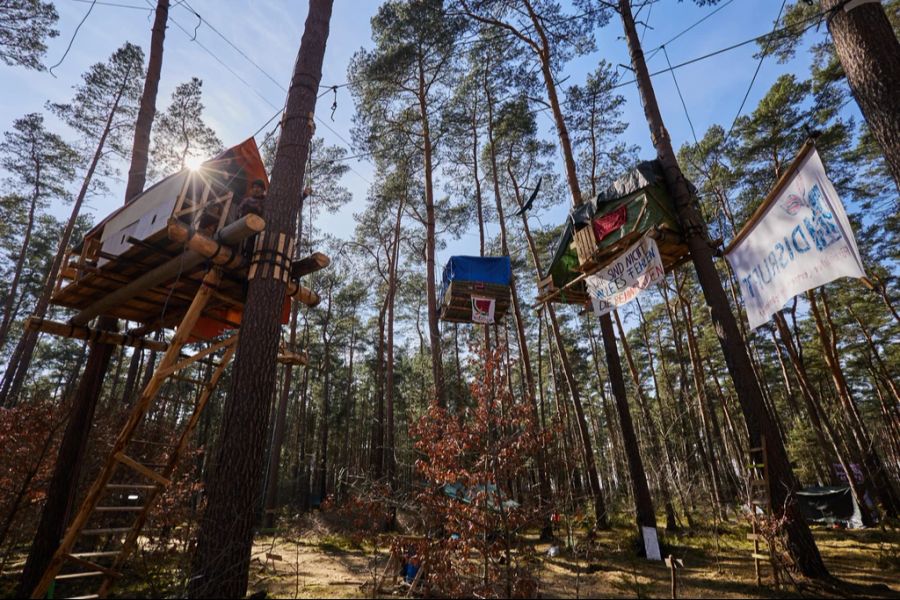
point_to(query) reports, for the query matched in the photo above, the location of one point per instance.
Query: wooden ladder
(153, 479)
(759, 497)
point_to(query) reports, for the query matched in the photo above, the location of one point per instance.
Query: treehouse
(145, 261)
(475, 289)
(179, 256)
(602, 227)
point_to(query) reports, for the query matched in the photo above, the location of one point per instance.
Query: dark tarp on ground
(487, 269)
(829, 505)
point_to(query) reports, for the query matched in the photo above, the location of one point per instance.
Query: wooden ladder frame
(759, 496)
(170, 364)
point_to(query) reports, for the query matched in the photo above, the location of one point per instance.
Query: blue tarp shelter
(467, 276)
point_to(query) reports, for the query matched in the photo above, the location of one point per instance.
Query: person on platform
(254, 202)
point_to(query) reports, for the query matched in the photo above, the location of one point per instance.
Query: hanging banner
(798, 239)
(626, 277)
(483, 309)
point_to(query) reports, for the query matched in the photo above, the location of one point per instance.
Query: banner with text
(626, 277)
(799, 240)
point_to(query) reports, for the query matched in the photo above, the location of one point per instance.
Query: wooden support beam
(231, 235)
(303, 294)
(94, 335)
(293, 358)
(312, 263)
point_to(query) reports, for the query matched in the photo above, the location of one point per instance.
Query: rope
(74, 35)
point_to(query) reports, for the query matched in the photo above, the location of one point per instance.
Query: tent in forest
(475, 289)
(830, 506)
(603, 226)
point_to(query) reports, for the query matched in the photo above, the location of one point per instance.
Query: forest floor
(320, 562)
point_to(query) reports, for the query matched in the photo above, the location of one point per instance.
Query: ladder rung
(79, 575)
(84, 597)
(755, 537)
(760, 556)
(110, 553)
(105, 531)
(142, 469)
(757, 449)
(149, 442)
(756, 466)
(188, 380)
(130, 486)
(119, 508)
(92, 566)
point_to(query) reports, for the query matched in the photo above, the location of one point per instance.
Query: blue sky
(269, 33)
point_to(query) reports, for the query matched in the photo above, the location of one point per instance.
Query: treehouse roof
(486, 269)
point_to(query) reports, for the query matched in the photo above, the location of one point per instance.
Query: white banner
(626, 277)
(483, 309)
(799, 239)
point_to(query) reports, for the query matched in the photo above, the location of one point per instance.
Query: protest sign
(622, 280)
(798, 239)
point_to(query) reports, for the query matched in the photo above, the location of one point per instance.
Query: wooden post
(670, 562)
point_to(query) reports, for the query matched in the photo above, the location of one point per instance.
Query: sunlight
(194, 163)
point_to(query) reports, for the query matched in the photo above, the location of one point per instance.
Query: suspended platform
(475, 289)
(177, 262)
(603, 227)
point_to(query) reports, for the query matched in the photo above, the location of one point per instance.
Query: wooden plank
(756, 556)
(303, 294)
(77, 559)
(80, 575)
(88, 333)
(105, 531)
(227, 342)
(188, 260)
(149, 473)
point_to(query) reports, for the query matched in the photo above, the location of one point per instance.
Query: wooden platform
(82, 284)
(456, 305)
(592, 256)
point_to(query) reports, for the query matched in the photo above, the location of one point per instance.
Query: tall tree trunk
(137, 174)
(325, 407)
(882, 485)
(376, 450)
(798, 538)
(272, 473)
(544, 483)
(600, 515)
(867, 47)
(818, 417)
(64, 482)
(645, 514)
(434, 331)
(653, 433)
(225, 537)
(394, 266)
(13, 292)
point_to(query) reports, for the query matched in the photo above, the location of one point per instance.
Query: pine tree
(180, 134)
(25, 26)
(399, 86)
(39, 166)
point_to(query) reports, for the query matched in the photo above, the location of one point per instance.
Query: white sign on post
(626, 277)
(797, 240)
